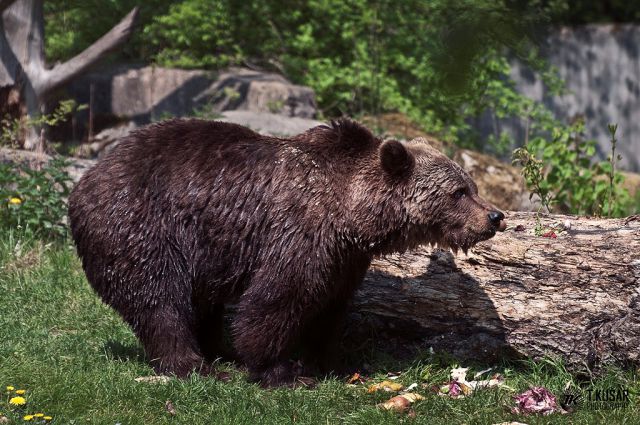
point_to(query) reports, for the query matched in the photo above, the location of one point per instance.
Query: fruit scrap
(536, 400)
(386, 386)
(401, 402)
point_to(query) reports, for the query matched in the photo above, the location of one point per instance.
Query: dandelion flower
(39, 415)
(10, 388)
(47, 418)
(21, 392)
(15, 201)
(27, 417)
(18, 401)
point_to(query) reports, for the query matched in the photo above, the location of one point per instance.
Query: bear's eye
(460, 193)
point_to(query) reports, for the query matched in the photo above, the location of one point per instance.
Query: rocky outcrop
(271, 124)
(247, 90)
(141, 95)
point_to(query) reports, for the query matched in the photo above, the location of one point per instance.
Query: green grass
(78, 360)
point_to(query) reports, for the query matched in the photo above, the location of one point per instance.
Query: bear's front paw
(283, 374)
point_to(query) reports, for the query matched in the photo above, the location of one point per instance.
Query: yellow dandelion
(18, 401)
(15, 201)
(39, 415)
(21, 392)
(27, 417)
(10, 388)
(47, 418)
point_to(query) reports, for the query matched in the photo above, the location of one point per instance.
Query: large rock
(248, 90)
(141, 95)
(271, 124)
(262, 122)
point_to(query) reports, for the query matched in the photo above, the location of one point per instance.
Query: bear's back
(187, 183)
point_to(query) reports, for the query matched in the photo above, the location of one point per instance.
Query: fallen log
(576, 296)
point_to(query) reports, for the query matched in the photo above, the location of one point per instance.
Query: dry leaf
(169, 406)
(386, 386)
(160, 379)
(4, 420)
(401, 402)
(356, 378)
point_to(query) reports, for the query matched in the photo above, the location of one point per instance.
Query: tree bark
(516, 295)
(22, 59)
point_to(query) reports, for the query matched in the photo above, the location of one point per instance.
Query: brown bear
(185, 216)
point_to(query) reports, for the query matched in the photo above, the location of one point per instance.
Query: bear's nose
(496, 217)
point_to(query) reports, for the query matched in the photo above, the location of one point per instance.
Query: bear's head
(440, 200)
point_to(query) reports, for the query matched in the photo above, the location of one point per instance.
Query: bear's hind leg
(264, 333)
(170, 342)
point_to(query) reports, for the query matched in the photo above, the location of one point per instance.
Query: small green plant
(231, 93)
(10, 132)
(33, 201)
(206, 112)
(275, 106)
(13, 129)
(561, 173)
(533, 172)
(612, 165)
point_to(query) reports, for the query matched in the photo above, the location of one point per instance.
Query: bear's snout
(497, 220)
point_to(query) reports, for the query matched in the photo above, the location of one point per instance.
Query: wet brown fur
(185, 216)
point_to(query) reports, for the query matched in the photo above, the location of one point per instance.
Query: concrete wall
(601, 67)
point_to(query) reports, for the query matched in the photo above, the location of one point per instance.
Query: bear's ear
(395, 158)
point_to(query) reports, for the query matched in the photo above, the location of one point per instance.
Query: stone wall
(601, 67)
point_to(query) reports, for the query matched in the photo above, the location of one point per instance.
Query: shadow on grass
(115, 350)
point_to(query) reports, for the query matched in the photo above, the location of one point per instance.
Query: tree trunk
(22, 59)
(576, 296)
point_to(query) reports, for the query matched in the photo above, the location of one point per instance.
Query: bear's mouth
(457, 242)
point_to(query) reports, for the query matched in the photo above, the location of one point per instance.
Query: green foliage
(32, 201)
(440, 62)
(73, 25)
(562, 173)
(194, 34)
